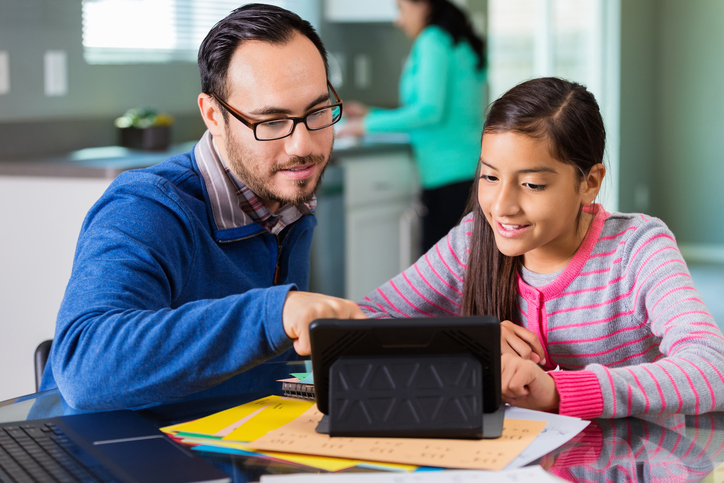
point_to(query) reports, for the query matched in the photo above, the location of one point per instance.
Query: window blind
(156, 31)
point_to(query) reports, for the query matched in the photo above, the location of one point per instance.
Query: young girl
(606, 297)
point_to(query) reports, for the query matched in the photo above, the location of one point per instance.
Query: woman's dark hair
(567, 117)
(450, 18)
(254, 21)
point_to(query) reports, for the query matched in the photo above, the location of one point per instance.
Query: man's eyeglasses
(280, 128)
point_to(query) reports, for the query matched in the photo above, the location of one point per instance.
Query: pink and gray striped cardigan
(623, 320)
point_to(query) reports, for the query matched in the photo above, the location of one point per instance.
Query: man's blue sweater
(162, 304)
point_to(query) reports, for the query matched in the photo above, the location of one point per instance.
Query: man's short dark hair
(255, 21)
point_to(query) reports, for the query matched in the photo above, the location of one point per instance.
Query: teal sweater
(442, 105)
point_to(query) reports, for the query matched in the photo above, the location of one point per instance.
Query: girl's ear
(211, 114)
(592, 184)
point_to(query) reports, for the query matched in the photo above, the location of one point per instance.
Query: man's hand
(526, 385)
(301, 308)
(519, 341)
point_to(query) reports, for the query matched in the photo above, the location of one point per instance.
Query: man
(190, 273)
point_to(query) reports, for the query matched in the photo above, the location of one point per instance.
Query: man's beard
(255, 176)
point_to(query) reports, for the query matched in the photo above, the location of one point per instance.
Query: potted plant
(145, 128)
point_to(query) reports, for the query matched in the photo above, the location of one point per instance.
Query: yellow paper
(254, 419)
(299, 436)
(248, 421)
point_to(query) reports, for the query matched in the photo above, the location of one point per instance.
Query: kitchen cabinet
(380, 190)
(357, 11)
(40, 219)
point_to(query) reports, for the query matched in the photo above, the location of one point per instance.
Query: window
(153, 31)
(574, 39)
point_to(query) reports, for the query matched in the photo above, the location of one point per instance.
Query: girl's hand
(519, 341)
(526, 385)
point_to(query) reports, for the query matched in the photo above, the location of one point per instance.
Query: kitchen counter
(108, 162)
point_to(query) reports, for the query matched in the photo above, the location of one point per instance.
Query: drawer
(378, 178)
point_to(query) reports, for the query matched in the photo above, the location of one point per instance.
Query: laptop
(115, 446)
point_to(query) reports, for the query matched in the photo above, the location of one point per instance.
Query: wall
(33, 124)
(386, 47)
(690, 142)
(638, 98)
(672, 130)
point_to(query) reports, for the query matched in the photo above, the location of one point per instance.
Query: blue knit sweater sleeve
(431, 54)
(154, 312)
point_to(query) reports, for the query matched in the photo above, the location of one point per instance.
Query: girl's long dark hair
(450, 18)
(567, 116)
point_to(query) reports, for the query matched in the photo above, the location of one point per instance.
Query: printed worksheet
(299, 436)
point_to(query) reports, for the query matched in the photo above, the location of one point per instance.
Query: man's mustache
(300, 161)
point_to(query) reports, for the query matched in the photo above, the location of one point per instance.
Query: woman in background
(442, 97)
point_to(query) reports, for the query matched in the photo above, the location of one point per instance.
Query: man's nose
(300, 142)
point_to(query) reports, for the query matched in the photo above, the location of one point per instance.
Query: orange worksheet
(299, 436)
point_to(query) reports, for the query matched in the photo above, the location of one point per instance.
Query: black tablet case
(408, 377)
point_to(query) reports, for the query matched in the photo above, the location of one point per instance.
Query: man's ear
(592, 184)
(212, 115)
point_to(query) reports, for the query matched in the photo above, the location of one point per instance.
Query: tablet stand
(426, 396)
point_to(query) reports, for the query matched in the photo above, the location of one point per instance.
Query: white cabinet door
(40, 219)
(379, 191)
(373, 247)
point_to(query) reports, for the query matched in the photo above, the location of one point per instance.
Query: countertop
(108, 162)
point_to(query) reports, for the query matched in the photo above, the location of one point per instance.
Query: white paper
(529, 473)
(558, 431)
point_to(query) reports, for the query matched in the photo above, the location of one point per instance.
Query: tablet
(477, 336)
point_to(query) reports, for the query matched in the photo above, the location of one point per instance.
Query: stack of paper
(284, 429)
(230, 431)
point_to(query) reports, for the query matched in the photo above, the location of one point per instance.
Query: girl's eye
(488, 178)
(535, 187)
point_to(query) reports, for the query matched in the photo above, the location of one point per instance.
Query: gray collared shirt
(232, 203)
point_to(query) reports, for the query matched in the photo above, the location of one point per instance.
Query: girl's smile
(510, 230)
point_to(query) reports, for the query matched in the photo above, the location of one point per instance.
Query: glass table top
(669, 448)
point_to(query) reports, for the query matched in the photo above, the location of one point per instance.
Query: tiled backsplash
(32, 139)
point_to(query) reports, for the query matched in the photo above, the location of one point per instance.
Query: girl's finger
(522, 349)
(531, 340)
